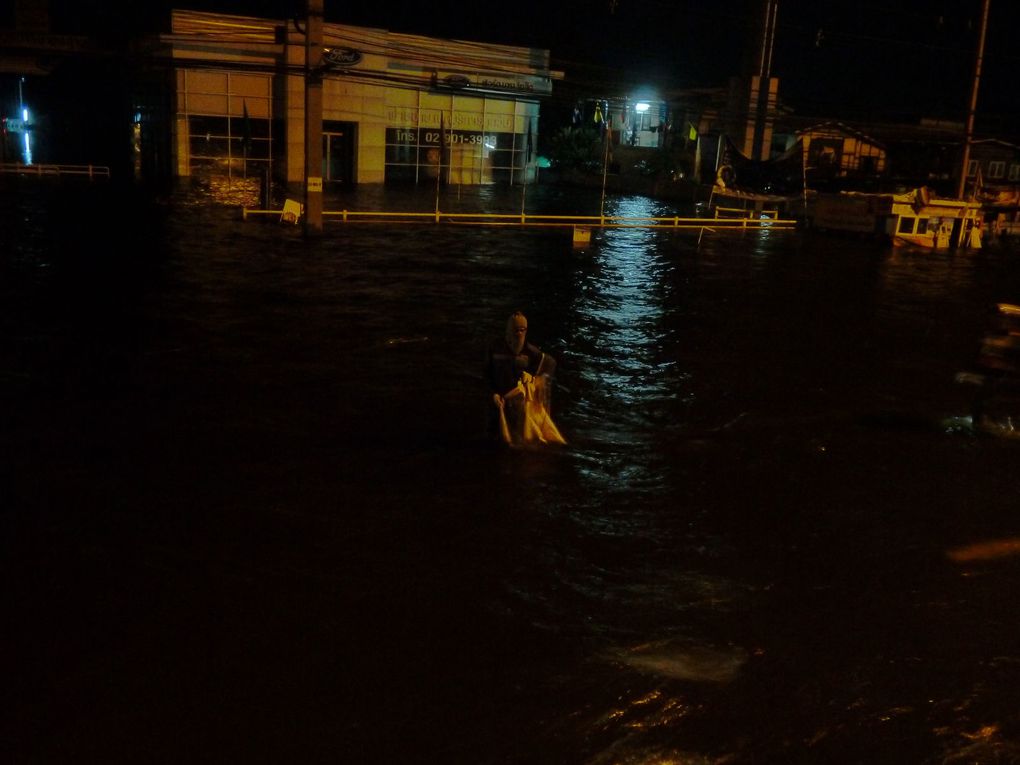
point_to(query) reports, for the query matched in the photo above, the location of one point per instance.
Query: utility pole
(761, 95)
(765, 96)
(313, 118)
(969, 137)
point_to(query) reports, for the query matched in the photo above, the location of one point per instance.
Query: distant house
(997, 161)
(993, 176)
(835, 154)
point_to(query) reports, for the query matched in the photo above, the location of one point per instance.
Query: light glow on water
(267, 454)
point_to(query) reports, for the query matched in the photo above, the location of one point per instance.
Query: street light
(27, 151)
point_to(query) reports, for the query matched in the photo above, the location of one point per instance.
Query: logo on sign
(342, 56)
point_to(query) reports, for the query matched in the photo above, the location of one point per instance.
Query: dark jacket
(503, 367)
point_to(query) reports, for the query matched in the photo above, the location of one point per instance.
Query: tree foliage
(575, 148)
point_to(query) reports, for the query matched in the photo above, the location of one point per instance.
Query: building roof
(839, 127)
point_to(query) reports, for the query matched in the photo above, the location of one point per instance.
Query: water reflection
(618, 315)
(265, 453)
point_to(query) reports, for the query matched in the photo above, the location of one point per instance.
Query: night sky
(866, 61)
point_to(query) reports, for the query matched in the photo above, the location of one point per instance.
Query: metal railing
(741, 212)
(90, 171)
(524, 219)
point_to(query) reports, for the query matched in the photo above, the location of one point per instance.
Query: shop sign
(341, 57)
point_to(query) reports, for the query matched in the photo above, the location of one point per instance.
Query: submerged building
(211, 96)
(395, 107)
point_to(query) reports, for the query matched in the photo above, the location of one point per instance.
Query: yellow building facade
(396, 107)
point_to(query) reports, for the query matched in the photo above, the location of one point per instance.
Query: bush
(576, 148)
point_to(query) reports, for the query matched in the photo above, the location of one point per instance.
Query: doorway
(338, 142)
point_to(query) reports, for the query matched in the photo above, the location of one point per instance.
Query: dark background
(863, 60)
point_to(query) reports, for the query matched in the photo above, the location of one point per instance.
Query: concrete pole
(313, 118)
(761, 104)
(978, 58)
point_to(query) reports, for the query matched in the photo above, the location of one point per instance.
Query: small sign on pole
(292, 211)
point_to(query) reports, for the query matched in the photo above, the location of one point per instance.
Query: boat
(728, 202)
(915, 218)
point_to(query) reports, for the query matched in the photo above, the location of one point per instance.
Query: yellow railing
(91, 171)
(522, 219)
(740, 212)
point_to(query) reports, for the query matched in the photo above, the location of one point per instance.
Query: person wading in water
(519, 375)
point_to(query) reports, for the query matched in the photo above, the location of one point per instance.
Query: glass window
(218, 144)
(258, 148)
(207, 126)
(476, 146)
(1014, 172)
(204, 166)
(399, 174)
(906, 225)
(996, 169)
(972, 167)
(206, 145)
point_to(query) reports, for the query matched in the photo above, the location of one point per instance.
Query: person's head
(516, 331)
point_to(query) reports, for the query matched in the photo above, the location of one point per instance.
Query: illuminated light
(641, 107)
(983, 733)
(647, 699)
(990, 550)
(28, 149)
(24, 114)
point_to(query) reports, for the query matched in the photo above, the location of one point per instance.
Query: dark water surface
(248, 515)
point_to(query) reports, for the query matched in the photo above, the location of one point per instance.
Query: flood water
(249, 514)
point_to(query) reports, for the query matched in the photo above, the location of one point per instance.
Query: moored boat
(915, 218)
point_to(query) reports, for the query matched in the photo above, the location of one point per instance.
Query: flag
(609, 140)
(692, 133)
(697, 161)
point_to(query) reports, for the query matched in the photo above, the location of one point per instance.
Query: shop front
(396, 108)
